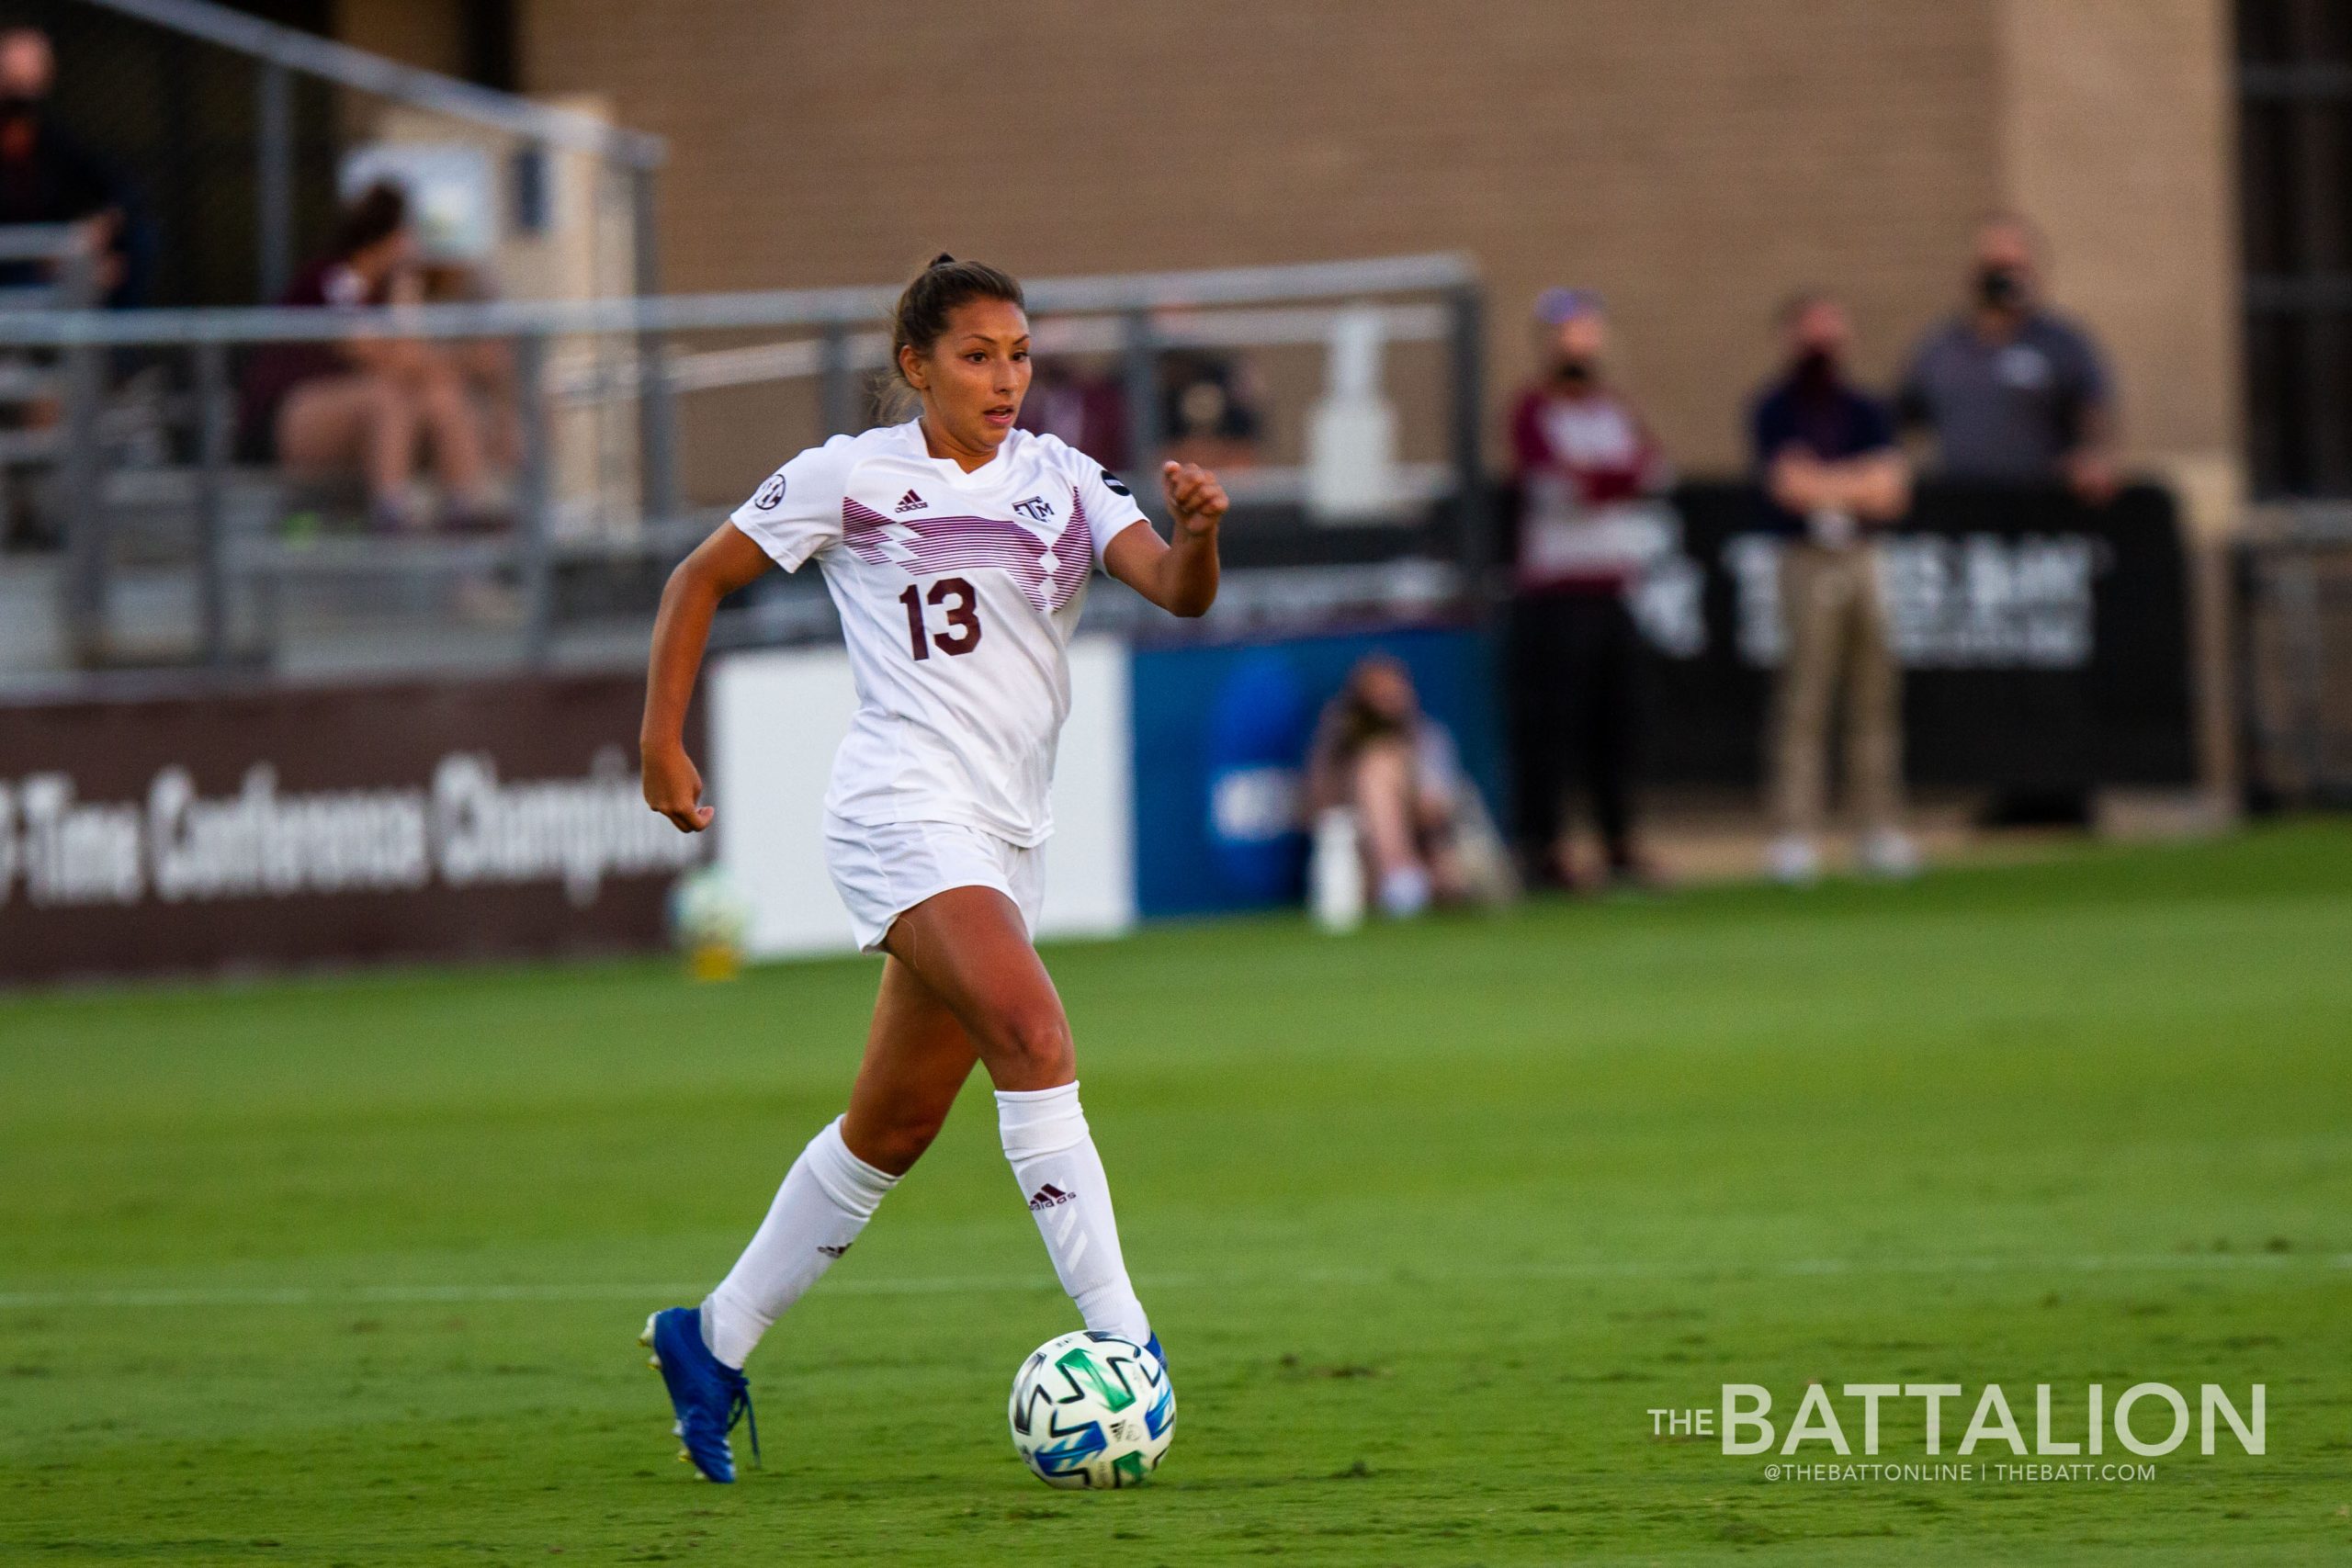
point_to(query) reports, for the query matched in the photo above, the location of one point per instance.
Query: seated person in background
(1376, 754)
(485, 364)
(1832, 476)
(370, 404)
(1084, 407)
(2013, 393)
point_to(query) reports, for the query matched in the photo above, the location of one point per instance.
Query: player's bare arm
(1179, 575)
(720, 564)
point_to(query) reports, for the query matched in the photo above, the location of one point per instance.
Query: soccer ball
(709, 917)
(707, 909)
(1093, 1410)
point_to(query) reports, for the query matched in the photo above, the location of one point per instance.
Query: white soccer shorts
(881, 872)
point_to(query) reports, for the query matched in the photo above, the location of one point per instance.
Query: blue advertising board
(1221, 735)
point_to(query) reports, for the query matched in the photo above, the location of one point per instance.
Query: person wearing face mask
(2013, 393)
(1832, 476)
(46, 176)
(1590, 477)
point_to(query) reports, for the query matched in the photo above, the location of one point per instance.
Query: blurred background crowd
(1914, 419)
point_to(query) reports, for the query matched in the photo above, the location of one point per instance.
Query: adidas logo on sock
(830, 1251)
(1048, 1196)
(910, 502)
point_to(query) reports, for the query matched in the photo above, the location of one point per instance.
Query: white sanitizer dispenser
(1351, 432)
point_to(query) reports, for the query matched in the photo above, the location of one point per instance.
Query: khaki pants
(1837, 637)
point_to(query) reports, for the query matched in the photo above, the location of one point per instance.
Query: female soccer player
(957, 549)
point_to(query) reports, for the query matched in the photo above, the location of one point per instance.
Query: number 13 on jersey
(963, 616)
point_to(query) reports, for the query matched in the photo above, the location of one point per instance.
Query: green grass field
(349, 1271)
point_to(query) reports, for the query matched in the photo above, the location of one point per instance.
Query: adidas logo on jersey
(910, 502)
(1050, 1196)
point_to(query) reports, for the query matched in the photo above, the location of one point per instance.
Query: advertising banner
(279, 826)
(776, 716)
(2044, 643)
(1221, 736)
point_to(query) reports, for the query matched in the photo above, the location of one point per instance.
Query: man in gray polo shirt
(2012, 391)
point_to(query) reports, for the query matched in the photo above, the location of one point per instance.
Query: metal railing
(39, 387)
(2293, 625)
(835, 341)
(71, 284)
(280, 53)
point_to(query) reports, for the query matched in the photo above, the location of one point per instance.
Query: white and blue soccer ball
(708, 910)
(1093, 1410)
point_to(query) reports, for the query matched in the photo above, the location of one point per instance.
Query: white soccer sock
(1061, 1177)
(825, 1199)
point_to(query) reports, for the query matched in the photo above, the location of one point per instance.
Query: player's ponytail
(921, 318)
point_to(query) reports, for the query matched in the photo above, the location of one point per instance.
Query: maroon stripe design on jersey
(926, 546)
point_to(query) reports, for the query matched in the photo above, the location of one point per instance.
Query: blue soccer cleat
(708, 1396)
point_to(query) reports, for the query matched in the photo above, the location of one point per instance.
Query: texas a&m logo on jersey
(1050, 572)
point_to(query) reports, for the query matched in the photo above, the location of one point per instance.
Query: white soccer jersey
(958, 593)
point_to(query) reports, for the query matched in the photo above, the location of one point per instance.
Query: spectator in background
(1376, 754)
(370, 404)
(1086, 409)
(2012, 392)
(1826, 457)
(46, 176)
(486, 365)
(1208, 411)
(1586, 468)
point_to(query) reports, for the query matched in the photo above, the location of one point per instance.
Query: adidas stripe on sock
(1053, 1158)
(825, 1199)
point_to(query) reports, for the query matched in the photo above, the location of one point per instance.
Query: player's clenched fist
(674, 788)
(1194, 497)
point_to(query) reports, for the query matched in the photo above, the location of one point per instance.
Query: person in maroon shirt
(1589, 474)
(369, 403)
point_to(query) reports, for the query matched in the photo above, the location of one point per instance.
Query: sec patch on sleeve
(771, 494)
(1114, 484)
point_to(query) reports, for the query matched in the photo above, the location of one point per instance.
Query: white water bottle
(1335, 872)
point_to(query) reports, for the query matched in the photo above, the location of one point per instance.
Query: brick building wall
(1692, 159)
(2118, 127)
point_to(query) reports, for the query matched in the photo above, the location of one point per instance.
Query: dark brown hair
(379, 212)
(921, 314)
